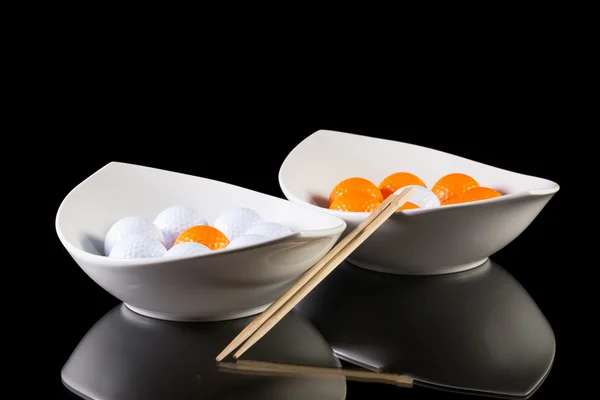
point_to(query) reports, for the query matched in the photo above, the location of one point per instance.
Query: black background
(250, 157)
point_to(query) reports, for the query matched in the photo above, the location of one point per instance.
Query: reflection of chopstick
(268, 318)
(272, 315)
(275, 369)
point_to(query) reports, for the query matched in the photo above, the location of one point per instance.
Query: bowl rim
(141, 262)
(416, 211)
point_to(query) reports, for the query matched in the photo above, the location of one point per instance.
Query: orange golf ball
(209, 236)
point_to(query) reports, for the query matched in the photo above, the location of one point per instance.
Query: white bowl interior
(118, 190)
(325, 158)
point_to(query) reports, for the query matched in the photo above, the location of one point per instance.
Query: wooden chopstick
(307, 276)
(268, 368)
(342, 253)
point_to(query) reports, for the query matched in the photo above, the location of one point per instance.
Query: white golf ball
(138, 246)
(270, 230)
(131, 226)
(236, 221)
(421, 196)
(176, 219)
(246, 240)
(187, 249)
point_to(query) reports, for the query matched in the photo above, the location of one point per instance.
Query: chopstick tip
(221, 357)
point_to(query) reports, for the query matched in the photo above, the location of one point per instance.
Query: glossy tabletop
(476, 332)
(473, 331)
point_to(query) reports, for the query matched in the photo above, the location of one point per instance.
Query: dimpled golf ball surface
(138, 246)
(246, 240)
(173, 220)
(270, 230)
(236, 221)
(207, 235)
(421, 196)
(131, 226)
(187, 249)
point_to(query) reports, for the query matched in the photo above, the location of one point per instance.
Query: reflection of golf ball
(130, 226)
(176, 219)
(187, 249)
(270, 230)
(246, 240)
(421, 196)
(138, 246)
(236, 221)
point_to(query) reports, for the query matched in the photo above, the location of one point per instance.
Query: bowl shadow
(319, 200)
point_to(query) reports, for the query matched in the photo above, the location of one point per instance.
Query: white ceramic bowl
(223, 284)
(424, 241)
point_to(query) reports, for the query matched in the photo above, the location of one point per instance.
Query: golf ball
(187, 249)
(130, 226)
(270, 230)
(138, 246)
(246, 240)
(236, 221)
(173, 220)
(421, 196)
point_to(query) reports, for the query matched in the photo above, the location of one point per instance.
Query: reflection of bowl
(220, 285)
(477, 330)
(128, 356)
(420, 241)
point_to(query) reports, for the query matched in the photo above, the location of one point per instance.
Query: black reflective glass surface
(476, 332)
(129, 356)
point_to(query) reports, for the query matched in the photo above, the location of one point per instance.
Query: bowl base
(412, 271)
(198, 318)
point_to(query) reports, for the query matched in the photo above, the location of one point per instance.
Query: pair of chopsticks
(248, 367)
(265, 321)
